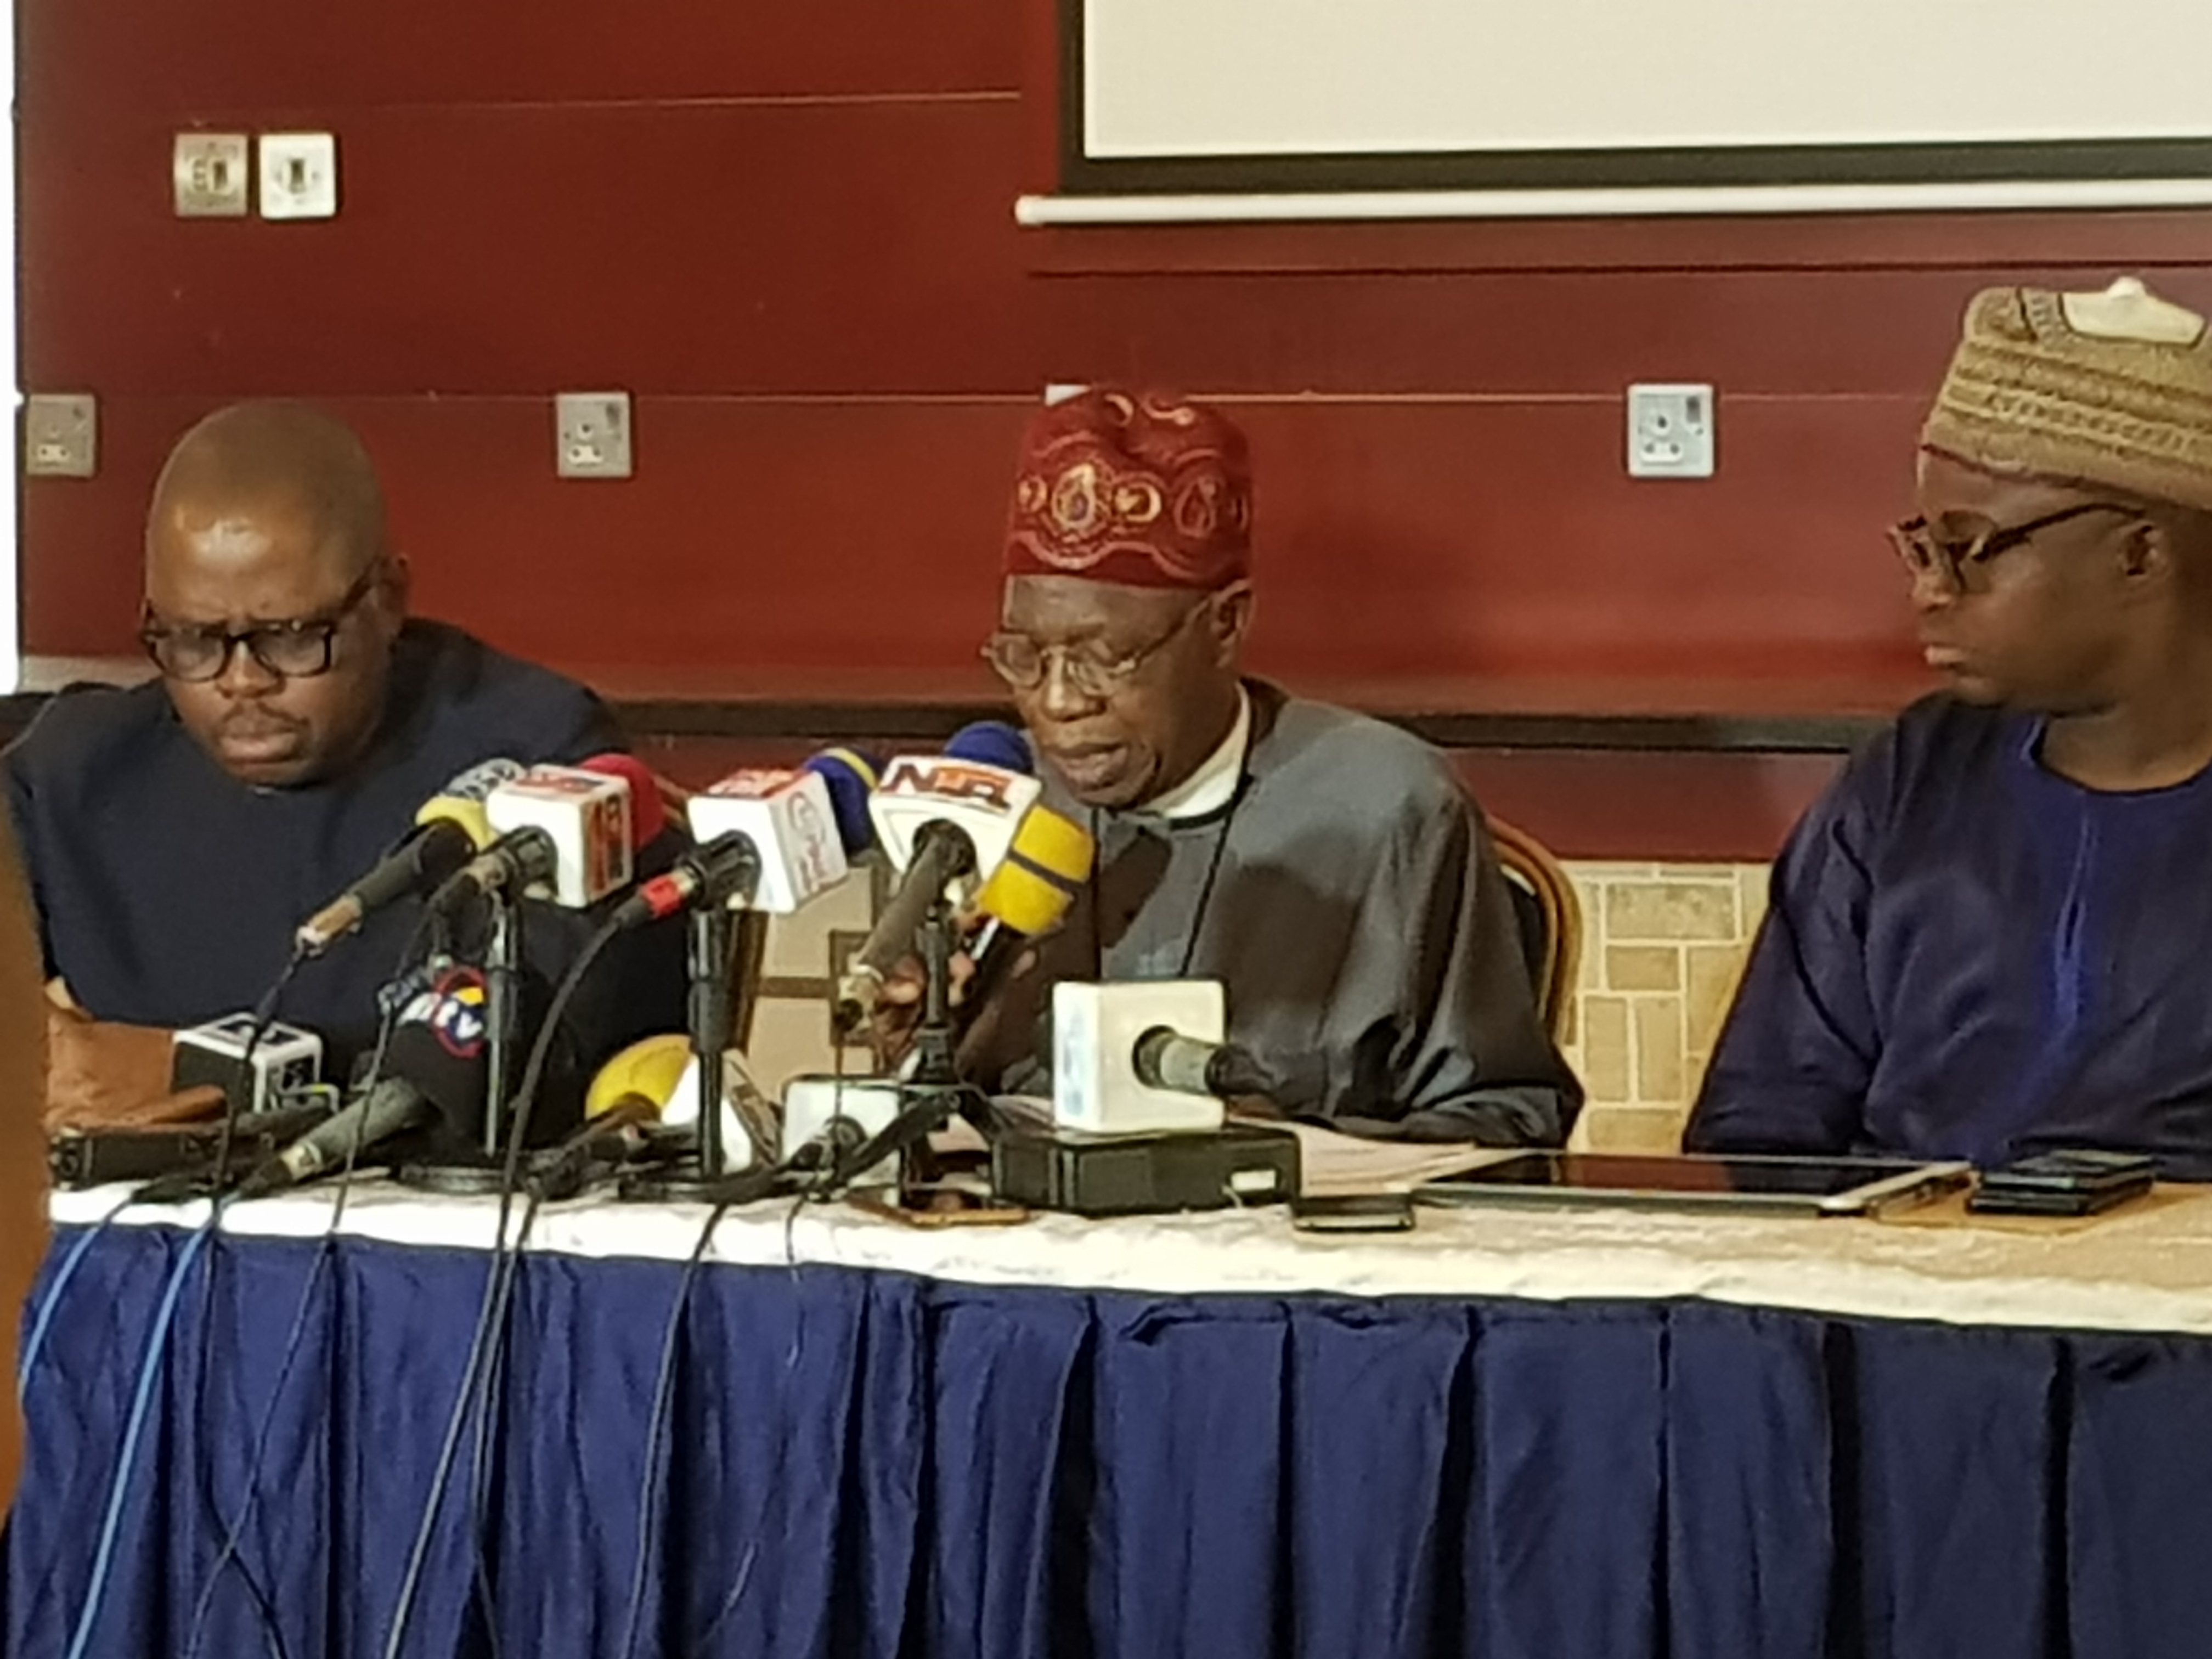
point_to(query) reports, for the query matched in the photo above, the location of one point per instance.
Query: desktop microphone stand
(713, 1014)
(484, 1170)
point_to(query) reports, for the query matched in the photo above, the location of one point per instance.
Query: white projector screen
(1290, 95)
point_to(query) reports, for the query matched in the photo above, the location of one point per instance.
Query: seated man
(1990, 938)
(1328, 868)
(176, 834)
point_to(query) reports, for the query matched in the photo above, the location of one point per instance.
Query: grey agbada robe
(1352, 904)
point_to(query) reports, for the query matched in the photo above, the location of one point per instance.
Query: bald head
(273, 602)
(286, 456)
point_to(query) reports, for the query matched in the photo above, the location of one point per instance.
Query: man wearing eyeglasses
(176, 833)
(1328, 868)
(1991, 937)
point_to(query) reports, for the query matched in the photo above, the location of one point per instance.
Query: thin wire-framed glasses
(1094, 669)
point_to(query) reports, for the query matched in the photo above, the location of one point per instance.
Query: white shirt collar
(1213, 786)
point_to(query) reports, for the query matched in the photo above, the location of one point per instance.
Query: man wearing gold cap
(1329, 870)
(1992, 936)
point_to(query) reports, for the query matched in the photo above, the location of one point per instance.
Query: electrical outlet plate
(61, 436)
(299, 175)
(592, 435)
(210, 175)
(1671, 431)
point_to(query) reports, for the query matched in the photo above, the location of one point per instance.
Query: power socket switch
(1671, 431)
(61, 436)
(299, 175)
(592, 433)
(210, 176)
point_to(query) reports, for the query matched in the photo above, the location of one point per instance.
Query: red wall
(787, 230)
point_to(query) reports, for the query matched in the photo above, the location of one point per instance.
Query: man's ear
(1233, 621)
(2148, 555)
(398, 588)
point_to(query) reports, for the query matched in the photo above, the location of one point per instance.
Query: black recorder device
(1041, 1168)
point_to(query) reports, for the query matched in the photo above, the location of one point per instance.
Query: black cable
(234, 1531)
(473, 1396)
(664, 1398)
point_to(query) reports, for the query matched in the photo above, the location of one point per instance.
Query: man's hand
(898, 1005)
(100, 1075)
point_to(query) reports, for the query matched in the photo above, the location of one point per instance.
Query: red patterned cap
(1140, 487)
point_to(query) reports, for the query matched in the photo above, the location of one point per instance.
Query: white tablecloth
(2148, 1269)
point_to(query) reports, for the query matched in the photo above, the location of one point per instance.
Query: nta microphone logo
(453, 1009)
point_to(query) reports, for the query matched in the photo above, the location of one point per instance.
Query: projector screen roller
(1198, 95)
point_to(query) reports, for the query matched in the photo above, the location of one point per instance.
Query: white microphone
(565, 833)
(940, 820)
(787, 816)
(1134, 1058)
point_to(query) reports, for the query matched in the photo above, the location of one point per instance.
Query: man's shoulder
(85, 727)
(456, 681)
(1941, 739)
(1344, 762)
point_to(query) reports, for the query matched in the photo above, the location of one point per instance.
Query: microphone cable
(472, 1398)
(229, 1555)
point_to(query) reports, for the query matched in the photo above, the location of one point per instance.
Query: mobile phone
(1353, 1213)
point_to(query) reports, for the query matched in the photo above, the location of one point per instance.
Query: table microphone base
(458, 1178)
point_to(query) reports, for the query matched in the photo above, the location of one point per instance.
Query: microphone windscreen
(438, 1045)
(850, 776)
(648, 807)
(462, 800)
(1045, 868)
(651, 1067)
(993, 743)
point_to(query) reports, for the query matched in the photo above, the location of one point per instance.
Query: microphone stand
(483, 1168)
(713, 1013)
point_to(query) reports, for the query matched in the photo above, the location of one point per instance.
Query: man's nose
(243, 675)
(1058, 695)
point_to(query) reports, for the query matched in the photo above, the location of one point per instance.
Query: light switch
(210, 175)
(299, 175)
(592, 435)
(61, 436)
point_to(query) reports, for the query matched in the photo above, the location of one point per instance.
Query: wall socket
(299, 175)
(61, 436)
(210, 175)
(592, 435)
(1671, 431)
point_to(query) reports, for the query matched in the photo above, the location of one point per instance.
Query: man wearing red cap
(1328, 869)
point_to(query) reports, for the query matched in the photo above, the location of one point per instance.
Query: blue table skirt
(870, 1464)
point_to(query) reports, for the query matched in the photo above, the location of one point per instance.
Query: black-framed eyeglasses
(1926, 553)
(1093, 668)
(294, 650)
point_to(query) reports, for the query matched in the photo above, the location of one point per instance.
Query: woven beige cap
(2113, 389)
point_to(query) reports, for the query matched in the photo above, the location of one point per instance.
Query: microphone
(1163, 1058)
(792, 819)
(939, 818)
(850, 776)
(623, 1104)
(726, 870)
(568, 833)
(449, 829)
(436, 1075)
(1028, 895)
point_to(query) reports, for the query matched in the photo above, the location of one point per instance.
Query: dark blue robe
(1967, 956)
(168, 891)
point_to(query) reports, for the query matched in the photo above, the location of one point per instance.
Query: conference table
(1511, 1433)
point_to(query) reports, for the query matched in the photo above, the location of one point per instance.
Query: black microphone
(705, 879)
(435, 1075)
(1165, 1059)
(447, 832)
(943, 853)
